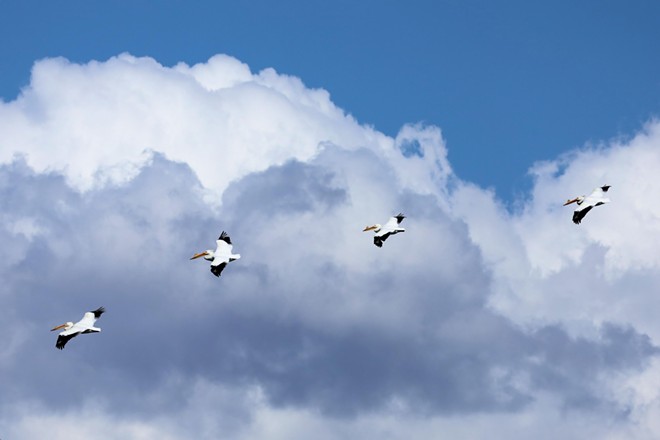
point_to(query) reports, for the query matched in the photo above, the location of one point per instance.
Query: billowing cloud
(94, 122)
(114, 173)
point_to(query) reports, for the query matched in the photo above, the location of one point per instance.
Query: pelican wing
(71, 333)
(64, 337)
(89, 319)
(392, 224)
(579, 214)
(391, 227)
(597, 193)
(596, 198)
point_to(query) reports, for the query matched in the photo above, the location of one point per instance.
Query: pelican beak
(568, 202)
(369, 228)
(58, 327)
(201, 254)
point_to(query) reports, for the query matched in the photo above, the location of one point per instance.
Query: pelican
(221, 256)
(585, 204)
(390, 228)
(85, 325)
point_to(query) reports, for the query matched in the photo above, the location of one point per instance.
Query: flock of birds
(223, 255)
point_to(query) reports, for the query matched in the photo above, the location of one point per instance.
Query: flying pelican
(221, 256)
(85, 325)
(585, 204)
(390, 228)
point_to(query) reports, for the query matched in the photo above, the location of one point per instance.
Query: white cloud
(311, 331)
(602, 270)
(95, 122)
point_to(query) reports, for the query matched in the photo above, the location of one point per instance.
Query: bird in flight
(221, 256)
(85, 325)
(586, 204)
(381, 233)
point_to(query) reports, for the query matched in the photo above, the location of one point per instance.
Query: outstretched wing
(579, 215)
(597, 197)
(64, 337)
(599, 192)
(89, 319)
(383, 237)
(392, 223)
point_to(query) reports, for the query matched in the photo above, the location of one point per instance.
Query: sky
(511, 82)
(131, 136)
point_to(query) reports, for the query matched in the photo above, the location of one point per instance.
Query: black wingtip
(225, 237)
(579, 215)
(62, 340)
(217, 270)
(605, 187)
(399, 217)
(98, 312)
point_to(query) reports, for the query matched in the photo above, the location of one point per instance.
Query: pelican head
(207, 254)
(375, 227)
(65, 326)
(577, 200)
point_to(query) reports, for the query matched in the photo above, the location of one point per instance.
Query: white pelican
(585, 204)
(85, 325)
(221, 256)
(390, 228)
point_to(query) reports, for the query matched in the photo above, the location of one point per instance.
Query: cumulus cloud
(606, 268)
(114, 173)
(94, 122)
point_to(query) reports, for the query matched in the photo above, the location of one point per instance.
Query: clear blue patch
(411, 147)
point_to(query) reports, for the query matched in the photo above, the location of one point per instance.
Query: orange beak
(58, 327)
(568, 202)
(201, 254)
(369, 228)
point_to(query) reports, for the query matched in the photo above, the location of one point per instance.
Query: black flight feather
(579, 215)
(62, 340)
(224, 237)
(217, 270)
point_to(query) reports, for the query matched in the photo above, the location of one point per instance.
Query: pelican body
(586, 204)
(221, 256)
(85, 325)
(381, 233)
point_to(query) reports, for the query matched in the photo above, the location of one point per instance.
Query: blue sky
(509, 83)
(132, 135)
